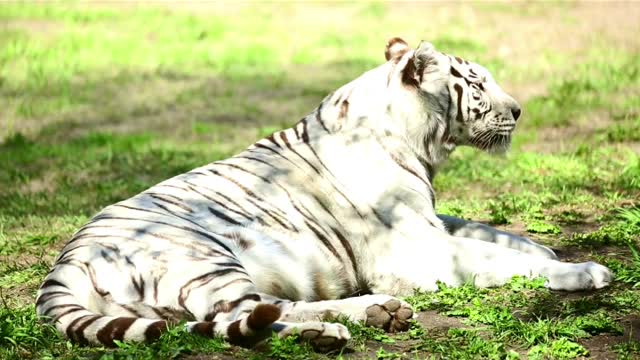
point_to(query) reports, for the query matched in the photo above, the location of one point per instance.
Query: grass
(99, 102)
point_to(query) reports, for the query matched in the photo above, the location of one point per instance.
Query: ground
(99, 101)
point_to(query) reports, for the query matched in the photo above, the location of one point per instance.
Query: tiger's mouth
(493, 140)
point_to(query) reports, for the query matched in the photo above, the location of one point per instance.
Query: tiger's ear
(395, 48)
(424, 58)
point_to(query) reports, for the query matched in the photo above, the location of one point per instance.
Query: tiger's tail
(56, 303)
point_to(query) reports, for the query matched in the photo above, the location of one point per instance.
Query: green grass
(520, 315)
(22, 335)
(98, 103)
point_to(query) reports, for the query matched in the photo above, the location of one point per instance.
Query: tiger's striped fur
(339, 205)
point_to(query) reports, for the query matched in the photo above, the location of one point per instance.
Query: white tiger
(304, 222)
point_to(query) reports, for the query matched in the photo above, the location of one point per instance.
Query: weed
(445, 297)
(466, 344)
(383, 354)
(174, 343)
(628, 350)
(558, 349)
(623, 232)
(541, 227)
(570, 217)
(289, 348)
(499, 213)
(627, 272)
(360, 333)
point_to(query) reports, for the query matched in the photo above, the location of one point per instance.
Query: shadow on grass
(127, 132)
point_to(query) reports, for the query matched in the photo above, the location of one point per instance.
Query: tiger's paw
(576, 277)
(322, 336)
(392, 316)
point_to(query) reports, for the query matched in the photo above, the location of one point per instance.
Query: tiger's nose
(515, 111)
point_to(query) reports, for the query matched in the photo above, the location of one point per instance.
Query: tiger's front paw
(392, 316)
(576, 277)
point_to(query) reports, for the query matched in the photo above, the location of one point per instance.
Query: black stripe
(155, 330)
(324, 241)
(77, 335)
(234, 334)
(228, 306)
(245, 170)
(255, 196)
(51, 295)
(236, 183)
(52, 282)
(272, 215)
(273, 140)
(221, 204)
(382, 219)
(295, 131)
(291, 199)
(324, 207)
(283, 136)
(305, 133)
(305, 139)
(80, 236)
(138, 285)
(170, 213)
(203, 234)
(131, 309)
(404, 166)
(409, 170)
(319, 117)
(260, 146)
(204, 328)
(162, 197)
(94, 281)
(347, 248)
(73, 262)
(212, 275)
(74, 308)
(114, 330)
(257, 160)
(306, 213)
(61, 306)
(243, 212)
(223, 216)
(458, 90)
(455, 72)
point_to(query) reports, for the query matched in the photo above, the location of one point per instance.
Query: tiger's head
(447, 101)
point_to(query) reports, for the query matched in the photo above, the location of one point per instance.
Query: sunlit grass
(100, 102)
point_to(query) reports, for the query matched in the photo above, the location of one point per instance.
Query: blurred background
(100, 100)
